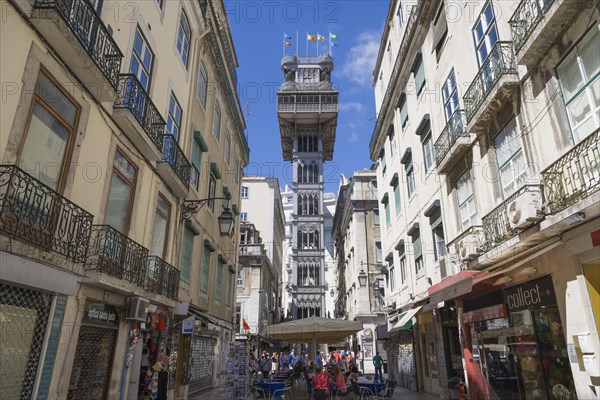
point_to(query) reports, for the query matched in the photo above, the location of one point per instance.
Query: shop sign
(100, 313)
(533, 294)
(483, 314)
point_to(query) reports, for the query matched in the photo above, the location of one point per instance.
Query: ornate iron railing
(324, 86)
(574, 176)
(132, 96)
(87, 26)
(162, 278)
(117, 255)
(252, 249)
(500, 61)
(455, 127)
(33, 212)
(496, 224)
(174, 156)
(525, 18)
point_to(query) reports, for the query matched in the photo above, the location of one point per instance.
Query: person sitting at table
(320, 383)
(362, 379)
(353, 376)
(339, 381)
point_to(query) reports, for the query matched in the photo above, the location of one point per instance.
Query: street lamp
(332, 292)
(362, 278)
(191, 207)
(226, 222)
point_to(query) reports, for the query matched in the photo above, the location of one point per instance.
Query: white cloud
(352, 105)
(360, 60)
(353, 137)
(353, 124)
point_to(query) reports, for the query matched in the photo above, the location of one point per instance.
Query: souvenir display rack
(238, 376)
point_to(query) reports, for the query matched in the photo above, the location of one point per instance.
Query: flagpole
(330, 48)
(283, 50)
(306, 43)
(317, 55)
(297, 41)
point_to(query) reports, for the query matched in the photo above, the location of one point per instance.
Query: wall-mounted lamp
(332, 292)
(527, 271)
(362, 278)
(502, 280)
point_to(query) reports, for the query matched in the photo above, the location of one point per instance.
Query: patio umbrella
(315, 330)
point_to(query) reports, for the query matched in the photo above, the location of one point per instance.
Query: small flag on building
(287, 44)
(246, 326)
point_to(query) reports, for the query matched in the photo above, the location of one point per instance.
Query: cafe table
(271, 387)
(374, 387)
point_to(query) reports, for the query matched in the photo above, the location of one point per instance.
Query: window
(308, 203)
(244, 192)
(419, 71)
(212, 190)
(417, 250)
(308, 143)
(236, 169)
(400, 17)
(308, 238)
(392, 277)
(228, 290)
(183, 38)
(244, 216)
(389, 52)
(141, 59)
(120, 195)
(410, 179)
(450, 95)
(160, 233)
(579, 75)
(219, 281)
(397, 197)
(428, 155)
(50, 131)
(228, 148)
(403, 270)
(383, 162)
(174, 117)
(439, 242)
(466, 201)
(240, 275)
(216, 127)
(485, 33)
(440, 29)
(378, 253)
(403, 110)
(202, 90)
(419, 265)
(205, 271)
(373, 188)
(511, 160)
(187, 255)
(392, 136)
(376, 218)
(196, 164)
(290, 199)
(308, 173)
(386, 205)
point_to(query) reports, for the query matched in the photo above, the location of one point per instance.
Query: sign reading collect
(537, 293)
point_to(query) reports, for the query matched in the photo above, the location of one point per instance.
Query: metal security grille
(91, 367)
(23, 322)
(201, 366)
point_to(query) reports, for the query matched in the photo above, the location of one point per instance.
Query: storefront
(428, 346)
(91, 369)
(514, 345)
(155, 360)
(401, 351)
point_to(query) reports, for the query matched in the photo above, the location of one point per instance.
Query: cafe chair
(321, 394)
(366, 393)
(337, 392)
(388, 392)
(282, 394)
(258, 392)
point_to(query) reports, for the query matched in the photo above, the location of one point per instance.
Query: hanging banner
(187, 325)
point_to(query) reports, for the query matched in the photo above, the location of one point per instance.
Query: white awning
(404, 320)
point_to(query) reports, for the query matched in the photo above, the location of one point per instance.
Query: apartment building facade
(486, 141)
(359, 289)
(118, 119)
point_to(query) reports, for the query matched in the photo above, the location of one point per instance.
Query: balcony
(491, 88)
(252, 250)
(574, 176)
(453, 143)
(112, 253)
(138, 117)
(536, 24)
(174, 168)
(32, 212)
(502, 222)
(76, 32)
(162, 278)
(307, 107)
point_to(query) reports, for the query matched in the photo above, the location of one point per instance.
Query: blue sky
(258, 27)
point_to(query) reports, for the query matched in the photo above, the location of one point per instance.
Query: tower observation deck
(307, 109)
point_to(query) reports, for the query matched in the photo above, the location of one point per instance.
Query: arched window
(184, 36)
(300, 173)
(202, 89)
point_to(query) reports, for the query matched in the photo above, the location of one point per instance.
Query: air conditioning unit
(449, 265)
(469, 246)
(524, 210)
(137, 308)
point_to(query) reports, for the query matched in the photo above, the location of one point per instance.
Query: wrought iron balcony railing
(252, 249)
(500, 61)
(455, 127)
(33, 212)
(115, 254)
(174, 156)
(132, 96)
(162, 278)
(574, 176)
(496, 224)
(85, 23)
(525, 18)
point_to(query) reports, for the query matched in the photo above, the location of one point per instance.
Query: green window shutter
(441, 27)
(219, 282)
(228, 291)
(205, 273)
(214, 170)
(417, 248)
(201, 142)
(187, 255)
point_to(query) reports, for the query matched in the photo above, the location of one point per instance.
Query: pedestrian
(319, 360)
(343, 365)
(265, 364)
(378, 363)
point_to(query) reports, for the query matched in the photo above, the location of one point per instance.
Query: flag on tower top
(332, 36)
(287, 44)
(321, 37)
(287, 37)
(311, 37)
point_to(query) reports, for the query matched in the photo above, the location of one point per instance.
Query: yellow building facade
(117, 121)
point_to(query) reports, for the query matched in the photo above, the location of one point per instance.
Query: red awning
(452, 287)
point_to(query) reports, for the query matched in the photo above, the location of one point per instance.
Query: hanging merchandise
(134, 336)
(154, 369)
(238, 376)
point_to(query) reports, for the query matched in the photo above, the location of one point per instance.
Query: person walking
(318, 360)
(265, 365)
(378, 363)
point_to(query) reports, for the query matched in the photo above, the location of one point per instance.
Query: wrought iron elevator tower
(307, 109)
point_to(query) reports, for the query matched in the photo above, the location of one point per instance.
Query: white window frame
(202, 89)
(403, 270)
(428, 152)
(245, 192)
(515, 162)
(487, 18)
(174, 116)
(184, 38)
(216, 123)
(466, 203)
(450, 95)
